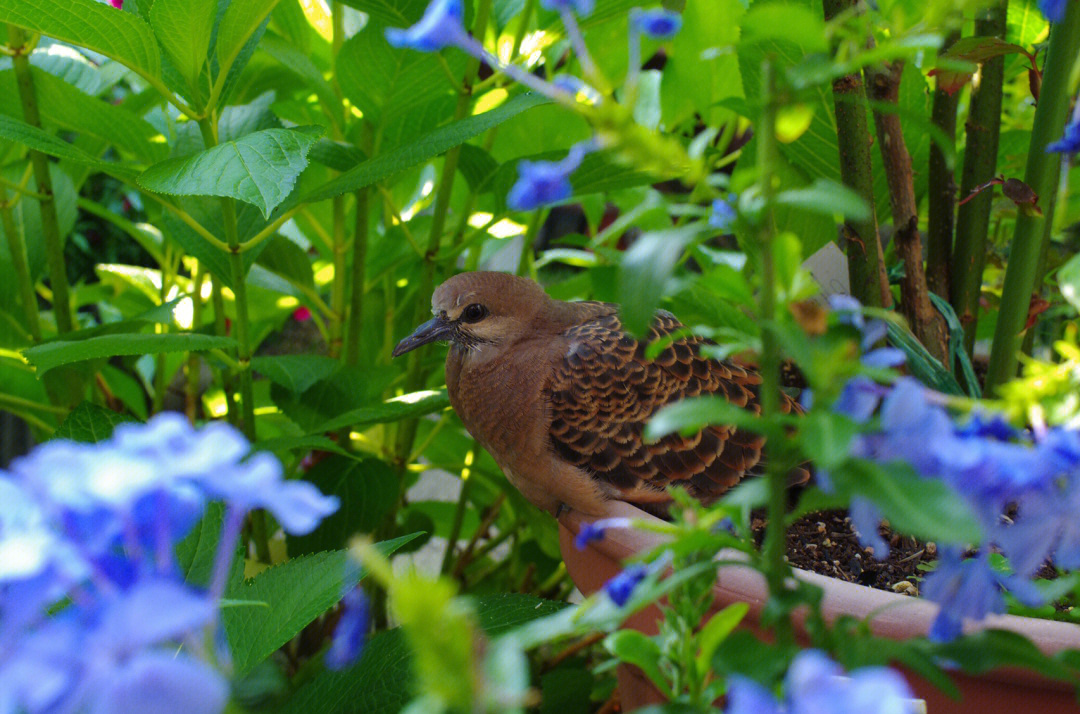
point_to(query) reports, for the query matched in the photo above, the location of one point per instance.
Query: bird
(559, 393)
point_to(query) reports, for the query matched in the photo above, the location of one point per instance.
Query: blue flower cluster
(815, 683)
(89, 531)
(1069, 143)
(994, 467)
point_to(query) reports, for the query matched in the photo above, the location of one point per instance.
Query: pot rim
(888, 614)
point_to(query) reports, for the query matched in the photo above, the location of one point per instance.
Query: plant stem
(221, 330)
(257, 519)
(1042, 175)
(359, 261)
(414, 378)
(776, 569)
(191, 387)
(17, 245)
(338, 288)
(926, 322)
(866, 262)
(941, 194)
(982, 131)
(50, 225)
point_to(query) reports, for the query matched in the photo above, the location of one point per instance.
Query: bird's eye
(474, 313)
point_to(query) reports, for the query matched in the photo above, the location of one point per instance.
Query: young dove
(560, 395)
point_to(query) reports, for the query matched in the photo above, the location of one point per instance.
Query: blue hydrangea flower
(596, 530)
(1053, 9)
(544, 182)
(581, 7)
(351, 632)
(621, 587)
(658, 24)
(440, 26)
(1069, 143)
(722, 216)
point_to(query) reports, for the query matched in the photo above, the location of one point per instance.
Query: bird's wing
(604, 390)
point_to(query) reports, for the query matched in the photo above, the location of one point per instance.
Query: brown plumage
(559, 395)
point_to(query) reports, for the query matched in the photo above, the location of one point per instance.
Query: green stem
(1042, 175)
(359, 261)
(866, 263)
(221, 330)
(50, 225)
(459, 516)
(191, 385)
(776, 569)
(17, 245)
(980, 162)
(338, 288)
(414, 379)
(525, 261)
(941, 195)
(11, 400)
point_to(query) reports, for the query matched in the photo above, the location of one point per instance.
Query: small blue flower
(441, 26)
(1053, 9)
(964, 589)
(1069, 143)
(544, 182)
(596, 530)
(884, 358)
(865, 518)
(351, 631)
(745, 696)
(581, 7)
(621, 587)
(657, 24)
(722, 216)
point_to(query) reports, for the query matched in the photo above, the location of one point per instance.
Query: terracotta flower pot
(893, 615)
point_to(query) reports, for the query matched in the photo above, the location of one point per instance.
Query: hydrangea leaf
(19, 131)
(260, 168)
(123, 36)
(183, 28)
(48, 355)
(241, 20)
(297, 592)
(89, 423)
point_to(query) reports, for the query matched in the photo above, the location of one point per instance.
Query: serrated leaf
(295, 372)
(404, 407)
(297, 592)
(260, 168)
(18, 131)
(381, 682)
(123, 36)
(63, 105)
(367, 489)
(48, 355)
(197, 551)
(422, 149)
(89, 423)
(240, 22)
(288, 260)
(183, 28)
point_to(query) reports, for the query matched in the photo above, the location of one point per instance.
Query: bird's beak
(435, 329)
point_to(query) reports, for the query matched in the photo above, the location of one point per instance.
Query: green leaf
(196, 553)
(645, 273)
(89, 423)
(260, 168)
(301, 65)
(791, 22)
(123, 36)
(920, 363)
(827, 198)
(183, 28)
(990, 649)
(242, 19)
(294, 372)
(634, 648)
(1026, 24)
(689, 416)
(381, 682)
(1068, 277)
(297, 592)
(26, 214)
(23, 133)
(368, 489)
(48, 355)
(407, 406)
(422, 149)
(566, 690)
(696, 77)
(288, 260)
(923, 507)
(65, 106)
(714, 633)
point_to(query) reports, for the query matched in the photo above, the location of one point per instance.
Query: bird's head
(477, 309)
